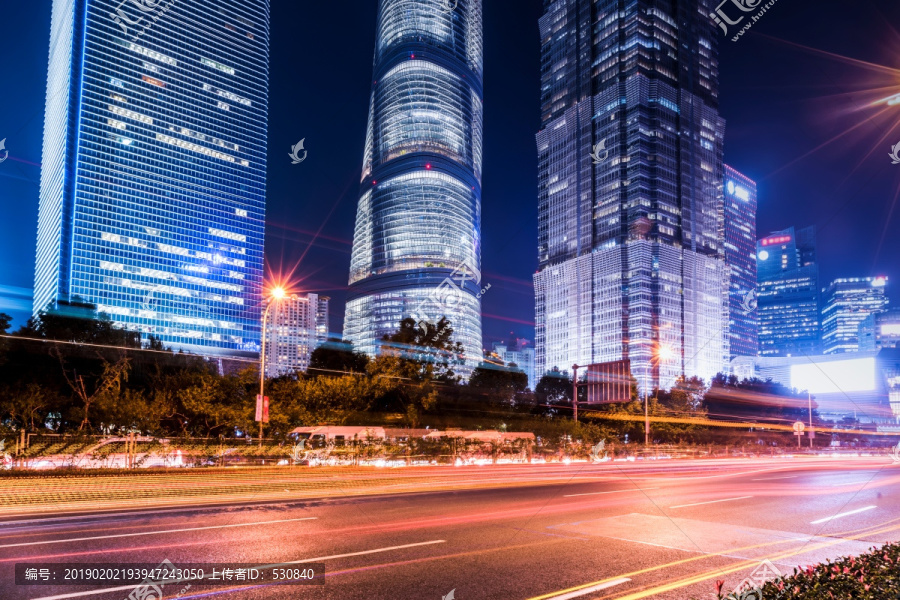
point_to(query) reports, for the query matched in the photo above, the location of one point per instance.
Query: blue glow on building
(740, 254)
(154, 167)
(417, 243)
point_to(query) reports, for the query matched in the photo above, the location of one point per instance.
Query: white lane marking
(711, 502)
(838, 516)
(771, 478)
(612, 492)
(124, 535)
(274, 566)
(593, 588)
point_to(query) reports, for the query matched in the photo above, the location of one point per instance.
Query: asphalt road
(666, 529)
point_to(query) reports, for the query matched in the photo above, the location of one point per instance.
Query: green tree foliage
(78, 321)
(554, 387)
(336, 357)
(498, 384)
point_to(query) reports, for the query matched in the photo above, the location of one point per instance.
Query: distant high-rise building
(846, 304)
(740, 254)
(880, 330)
(417, 243)
(519, 352)
(297, 325)
(788, 301)
(152, 202)
(630, 256)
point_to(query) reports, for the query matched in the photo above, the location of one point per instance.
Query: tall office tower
(788, 301)
(629, 202)
(417, 243)
(845, 305)
(518, 351)
(740, 255)
(152, 199)
(880, 330)
(297, 325)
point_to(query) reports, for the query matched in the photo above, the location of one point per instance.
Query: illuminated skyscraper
(740, 254)
(788, 304)
(631, 261)
(154, 167)
(297, 325)
(846, 305)
(417, 244)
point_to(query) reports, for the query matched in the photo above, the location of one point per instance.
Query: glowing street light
(664, 353)
(276, 294)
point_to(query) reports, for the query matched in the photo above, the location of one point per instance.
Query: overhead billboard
(835, 376)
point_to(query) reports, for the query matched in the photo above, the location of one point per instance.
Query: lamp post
(276, 295)
(575, 392)
(663, 353)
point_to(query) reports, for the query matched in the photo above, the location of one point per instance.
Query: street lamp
(663, 353)
(276, 295)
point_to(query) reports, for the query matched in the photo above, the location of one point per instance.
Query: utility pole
(575, 392)
(812, 431)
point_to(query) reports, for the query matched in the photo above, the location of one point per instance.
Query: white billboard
(835, 376)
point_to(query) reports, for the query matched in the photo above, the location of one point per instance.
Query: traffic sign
(799, 427)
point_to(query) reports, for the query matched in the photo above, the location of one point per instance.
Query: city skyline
(505, 216)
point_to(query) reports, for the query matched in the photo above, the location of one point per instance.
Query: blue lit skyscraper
(630, 256)
(846, 303)
(788, 278)
(417, 243)
(740, 254)
(154, 167)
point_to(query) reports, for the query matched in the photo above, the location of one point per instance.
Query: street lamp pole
(809, 401)
(646, 409)
(277, 294)
(575, 392)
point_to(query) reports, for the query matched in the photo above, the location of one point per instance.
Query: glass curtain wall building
(788, 305)
(631, 264)
(847, 302)
(297, 325)
(152, 200)
(417, 243)
(740, 254)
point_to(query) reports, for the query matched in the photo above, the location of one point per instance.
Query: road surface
(661, 529)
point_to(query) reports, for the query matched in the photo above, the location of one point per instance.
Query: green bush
(871, 576)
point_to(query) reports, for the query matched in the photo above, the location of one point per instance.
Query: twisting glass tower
(417, 244)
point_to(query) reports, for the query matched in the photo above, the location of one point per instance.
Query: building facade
(630, 217)
(520, 353)
(788, 301)
(417, 242)
(740, 255)
(297, 325)
(880, 330)
(152, 202)
(846, 304)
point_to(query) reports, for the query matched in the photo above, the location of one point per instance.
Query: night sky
(794, 91)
